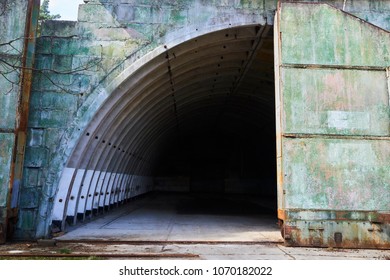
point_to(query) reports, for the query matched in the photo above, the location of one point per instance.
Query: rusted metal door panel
(13, 129)
(333, 127)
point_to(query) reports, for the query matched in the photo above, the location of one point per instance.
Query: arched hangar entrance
(197, 119)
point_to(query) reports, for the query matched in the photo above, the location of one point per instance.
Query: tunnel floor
(185, 217)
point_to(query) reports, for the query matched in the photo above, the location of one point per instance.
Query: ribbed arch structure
(213, 89)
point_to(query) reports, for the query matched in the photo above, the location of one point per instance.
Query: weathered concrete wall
(335, 127)
(83, 62)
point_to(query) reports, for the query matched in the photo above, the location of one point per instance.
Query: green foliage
(65, 251)
(5, 6)
(44, 13)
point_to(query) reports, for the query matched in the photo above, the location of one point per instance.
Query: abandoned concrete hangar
(283, 99)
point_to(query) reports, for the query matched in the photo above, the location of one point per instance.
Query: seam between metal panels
(332, 67)
(388, 84)
(335, 136)
(278, 113)
(257, 44)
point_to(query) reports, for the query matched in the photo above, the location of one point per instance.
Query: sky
(66, 8)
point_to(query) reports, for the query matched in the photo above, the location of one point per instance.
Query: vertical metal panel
(74, 194)
(92, 190)
(15, 106)
(61, 197)
(334, 126)
(122, 194)
(128, 187)
(110, 188)
(85, 191)
(119, 188)
(106, 181)
(99, 190)
(278, 116)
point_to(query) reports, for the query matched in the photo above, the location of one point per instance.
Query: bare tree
(10, 64)
(5, 6)
(11, 54)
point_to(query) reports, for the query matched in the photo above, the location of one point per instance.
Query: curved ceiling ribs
(216, 81)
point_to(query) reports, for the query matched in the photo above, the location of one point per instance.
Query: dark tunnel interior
(199, 119)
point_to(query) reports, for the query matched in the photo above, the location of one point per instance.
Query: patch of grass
(65, 251)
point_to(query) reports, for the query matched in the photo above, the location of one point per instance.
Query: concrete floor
(185, 217)
(202, 227)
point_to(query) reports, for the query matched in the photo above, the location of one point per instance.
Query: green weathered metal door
(333, 119)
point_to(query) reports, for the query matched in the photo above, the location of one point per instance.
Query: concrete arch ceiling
(221, 81)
